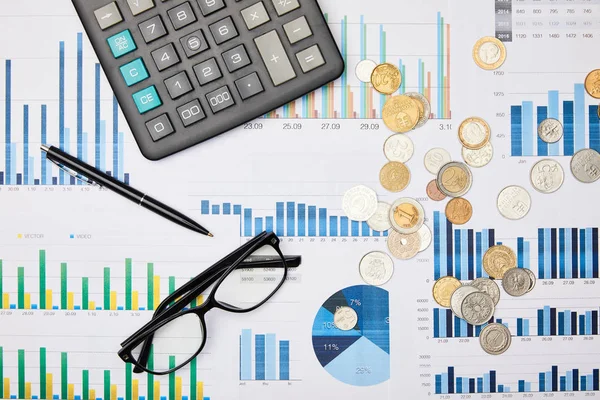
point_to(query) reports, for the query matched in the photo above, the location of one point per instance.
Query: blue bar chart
(552, 380)
(581, 125)
(22, 146)
(548, 321)
(291, 219)
(271, 359)
(562, 253)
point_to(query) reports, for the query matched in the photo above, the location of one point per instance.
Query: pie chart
(359, 356)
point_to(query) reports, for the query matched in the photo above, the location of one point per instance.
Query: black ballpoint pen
(92, 175)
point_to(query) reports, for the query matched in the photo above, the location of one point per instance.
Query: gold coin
(592, 84)
(489, 53)
(400, 113)
(394, 176)
(455, 179)
(499, 259)
(474, 133)
(443, 289)
(434, 192)
(459, 211)
(386, 78)
(406, 215)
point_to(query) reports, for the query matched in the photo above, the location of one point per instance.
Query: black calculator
(185, 71)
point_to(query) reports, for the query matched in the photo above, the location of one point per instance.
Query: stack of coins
(476, 301)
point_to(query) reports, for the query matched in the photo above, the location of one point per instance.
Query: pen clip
(75, 175)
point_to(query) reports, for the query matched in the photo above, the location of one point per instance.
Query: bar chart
(24, 163)
(562, 253)
(581, 125)
(552, 380)
(51, 376)
(65, 292)
(349, 98)
(271, 357)
(291, 219)
(548, 321)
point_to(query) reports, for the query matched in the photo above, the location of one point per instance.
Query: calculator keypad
(236, 58)
(181, 16)
(207, 63)
(165, 57)
(207, 71)
(223, 30)
(153, 29)
(139, 6)
(194, 43)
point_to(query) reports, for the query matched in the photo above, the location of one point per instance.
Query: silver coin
(404, 247)
(364, 70)
(436, 158)
(477, 308)
(458, 297)
(345, 318)
(426, 107)
(550, 130)
(532, 278)
(456, 185)
(495, 338)
(516, 282)
(398, 147)
(478, 158)
(407, 215)
(585, 165)
(360, 203)
(514, 202)
(380, 221)
(488, 286)
(426, 237)
(547, 176)
(376, 268)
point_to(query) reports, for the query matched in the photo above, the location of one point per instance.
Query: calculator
(184, 71)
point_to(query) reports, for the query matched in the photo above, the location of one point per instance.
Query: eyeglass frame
(170, 309)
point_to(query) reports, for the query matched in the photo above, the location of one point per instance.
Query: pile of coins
(404, 219)
(476, 301)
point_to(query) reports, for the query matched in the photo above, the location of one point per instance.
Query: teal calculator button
(121, 43)
(147, 99)
(134, 72)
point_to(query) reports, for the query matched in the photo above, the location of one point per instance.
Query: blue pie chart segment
(360, 356)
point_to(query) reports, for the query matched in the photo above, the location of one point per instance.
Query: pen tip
(210, 235)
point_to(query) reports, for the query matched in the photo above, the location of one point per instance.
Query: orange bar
(92, 394)
(178, 387)
(156, 390)
(49, 386)
(134, 390)
(28, 390)
(92, 305)
(113, 392)
(70, 391)
(200, 390)
(135, 300)
(7, 388)
(5, 301)
(48, 299)
(27, 301)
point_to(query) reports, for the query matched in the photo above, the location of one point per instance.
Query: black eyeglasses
(245, 280)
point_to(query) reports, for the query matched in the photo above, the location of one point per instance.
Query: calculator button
(236, 58)
(274, 56)
(223, 30)
(165, 57)
(220, 99)
(255, 15)
(178, 85)
(285, 6)
(194, 43)
(191, 113)
(134, 72)
(207, 71)
(182, 15)
(310, 58)
(210, 6)
(297, 30)
(160, 127)
(249, 85)
(147, 99)
(139, 6)
(121, 43)
(108, 15)
(152, 29)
